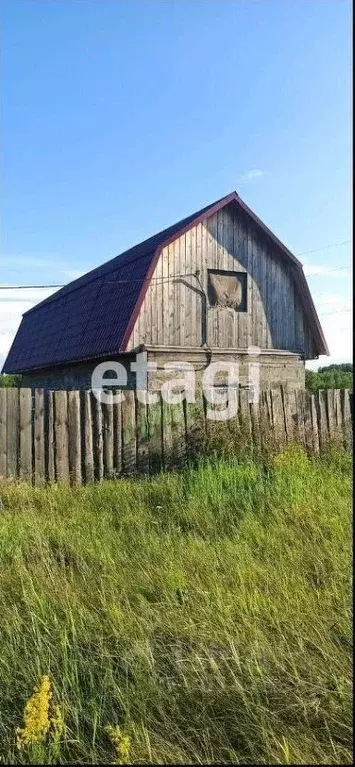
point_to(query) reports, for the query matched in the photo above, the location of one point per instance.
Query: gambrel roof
(93, 316)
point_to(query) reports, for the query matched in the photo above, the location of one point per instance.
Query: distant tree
(9, 380)
(330, 377)
(345, 367)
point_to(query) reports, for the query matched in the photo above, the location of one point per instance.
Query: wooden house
(206, 289)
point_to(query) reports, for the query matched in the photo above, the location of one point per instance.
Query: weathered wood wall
(174, 311)
(70, 436)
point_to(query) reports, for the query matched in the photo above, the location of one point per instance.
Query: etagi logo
(222, 398)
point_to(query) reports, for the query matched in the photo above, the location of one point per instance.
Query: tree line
(330, 377)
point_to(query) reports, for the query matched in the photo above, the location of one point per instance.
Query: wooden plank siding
(173, 310)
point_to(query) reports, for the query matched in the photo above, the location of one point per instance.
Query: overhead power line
(324, 274)
(324, 247)
(109, 282)
(24, 287)
(337, 311)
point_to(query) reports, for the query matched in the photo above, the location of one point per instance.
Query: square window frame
(229, 273)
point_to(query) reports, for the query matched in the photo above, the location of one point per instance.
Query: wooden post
(245, 418)
(129, 457)
(195, 423)
(255, 423)
(300, 415)
(308, 425)
(12, 432)
(87, 436)
(25, 434)
(107, 408)
(289, 411)
(49, 432)
(142, 437)
(3, 433)
(61, 436)
(338, 416)
(39, 437)
(74, 437)
(267, 410)
(155, 435)
(322, 418)
(98, 438)
(314, 419)
(178, 434)
(278, 417)
(347, 420)
(117, 437)
(168, 458)
(331, 413)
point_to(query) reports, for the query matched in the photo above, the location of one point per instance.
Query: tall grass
(206, 613)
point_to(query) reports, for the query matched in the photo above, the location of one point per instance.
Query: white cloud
(250, 175)
(13, 304)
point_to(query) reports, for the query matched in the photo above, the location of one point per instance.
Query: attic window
(227, 289)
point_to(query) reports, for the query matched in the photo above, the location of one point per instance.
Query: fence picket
(12, 432)
(3, 402)
(117, 437)
(61, 453)
(39, 436)
(322, 418)
(107, 415)
(278, 416)
(142, 438)
(128, 411)
(74, 437)
(347, 419)
(87, 436)
(49, 432)
(96, 410)
(25, 463)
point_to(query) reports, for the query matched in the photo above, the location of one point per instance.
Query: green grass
(207, 613)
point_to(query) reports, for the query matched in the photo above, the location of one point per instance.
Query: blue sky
(120, 117)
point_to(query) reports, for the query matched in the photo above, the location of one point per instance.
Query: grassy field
(203, 616)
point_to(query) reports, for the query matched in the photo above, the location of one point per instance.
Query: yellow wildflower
(120, 741)
(36, 716)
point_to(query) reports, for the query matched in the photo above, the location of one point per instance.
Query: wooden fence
(71, 436)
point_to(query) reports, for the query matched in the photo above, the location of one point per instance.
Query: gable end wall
(175, 311)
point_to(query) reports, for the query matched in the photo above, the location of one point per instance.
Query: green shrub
(330, 377)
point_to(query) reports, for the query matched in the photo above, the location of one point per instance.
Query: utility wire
(338, 311)
(23, 287)
(153, 279)
(108, 282)
(324, 247)
(176, 276)
(320, 274)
